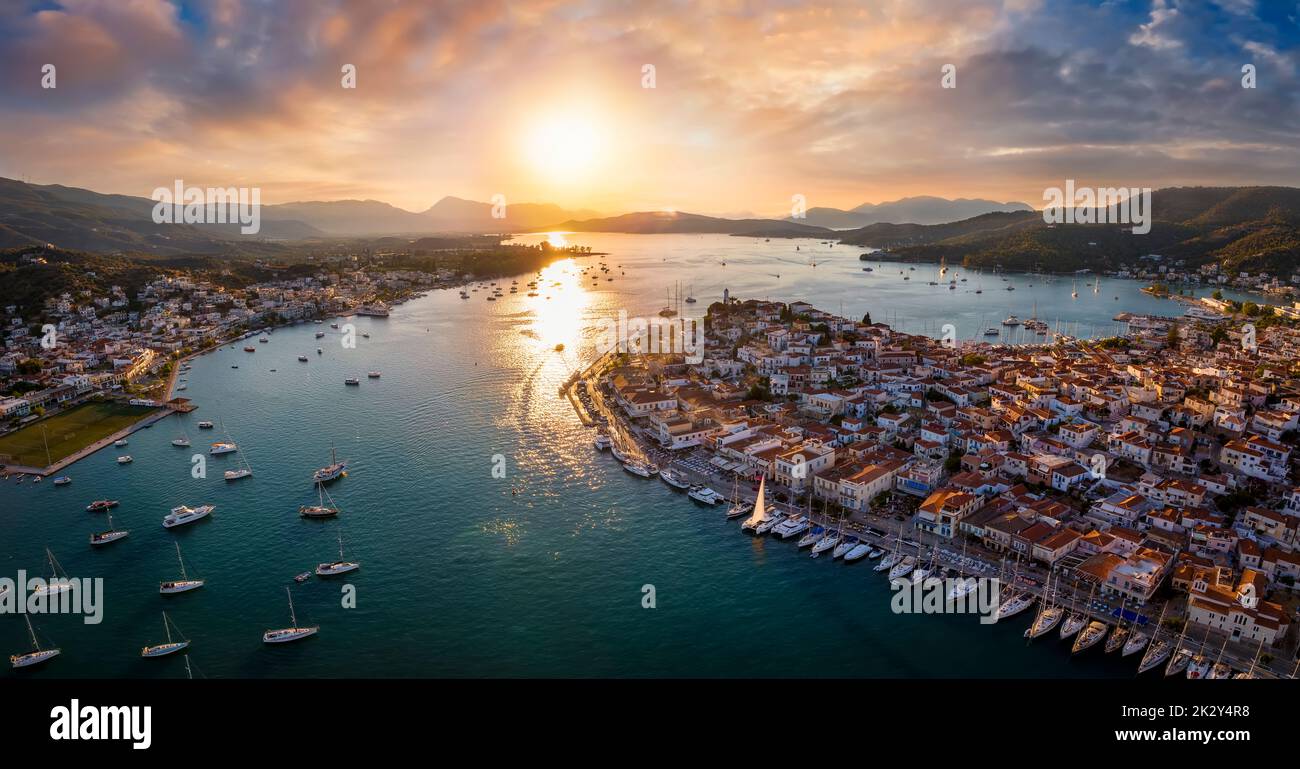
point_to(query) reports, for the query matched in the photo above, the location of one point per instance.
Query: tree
(866, 319)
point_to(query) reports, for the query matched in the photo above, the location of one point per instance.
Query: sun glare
(563, 147)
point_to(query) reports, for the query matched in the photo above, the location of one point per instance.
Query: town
(1152, 473)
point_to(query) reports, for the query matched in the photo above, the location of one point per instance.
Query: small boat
(1090, 637)
(351, 381)
(182, 585)
(222, 447)
(125, 459)
(171, 647)
(100, 505)
(33, 657)
(205, 425)
(293, 633)
(319, 351)
(63, 480)
(243, 471)
(675, 479)
(889, 561)
(704, 495)
(991, 331)
(1178, 662)
(337, 567)
(111, 535)
(373, 374)
(250, 349)
(1011, 320)
(320, 334)
(320, 509)
(306, 575)
(302, 358)
(875, 553)
(602, 441)
(790, 526)
(120, 442)
(263, 340)
(182, 514)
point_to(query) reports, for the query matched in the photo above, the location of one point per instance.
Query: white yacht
(294, 633)
(814, 535)
(786, 528)
(222, 447)
(372, 374)
(1011, 320)
(125, 459)
(243, 471)
(205, 425)
(112, 535)
(829, 540)
(184, 584)
(675, 478)
(602, 441)
(904, 566)
(704, 495)
(858, 551)
(35, 657)
(182, 514)
(769, 524)
(889, 561)
(337, 567)
(120, 442)
(642, 469)
(171, 647)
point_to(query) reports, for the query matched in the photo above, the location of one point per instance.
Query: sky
(753, 101)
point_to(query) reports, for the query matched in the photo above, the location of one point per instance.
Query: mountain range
(922, 209)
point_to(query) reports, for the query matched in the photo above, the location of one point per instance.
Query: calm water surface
(464, 574)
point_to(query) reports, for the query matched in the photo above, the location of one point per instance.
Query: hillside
(923, 209)
(1241, 228)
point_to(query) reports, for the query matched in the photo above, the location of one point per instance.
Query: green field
(67, 432)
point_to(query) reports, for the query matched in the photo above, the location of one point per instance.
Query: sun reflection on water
(559, 305)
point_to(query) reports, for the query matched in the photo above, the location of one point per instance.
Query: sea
(494, 540)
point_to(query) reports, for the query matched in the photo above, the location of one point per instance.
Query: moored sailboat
(184, 584)
(111, 535)
(1091, 635)
(35, 657)
(171, 646)
(337, 567)
(292, 633)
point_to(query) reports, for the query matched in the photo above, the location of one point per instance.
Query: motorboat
(704, 495)
(638, 468)
(62, 480)
(222, 447)
(182, 514)
(205, 425)
(125, 459)
(602, 441)
(302, 358)
(353, 381)
(372, 374)
(120, 442)
(770, 523)
(100, 505)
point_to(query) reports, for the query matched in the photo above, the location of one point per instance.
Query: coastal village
(1152, 474)
(91, 347)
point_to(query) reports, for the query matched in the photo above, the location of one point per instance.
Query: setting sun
(563, 147)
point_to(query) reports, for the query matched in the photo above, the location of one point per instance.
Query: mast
(31, 632)
(167, 627)
(182, 561)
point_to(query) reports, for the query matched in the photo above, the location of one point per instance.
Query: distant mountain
(659, 222)
(83, 220)
(1247, 229)
(347, 217)
(453, 214)
(922, 209)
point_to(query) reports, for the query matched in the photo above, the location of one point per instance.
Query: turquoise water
(464, 574)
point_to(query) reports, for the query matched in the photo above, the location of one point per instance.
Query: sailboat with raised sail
(292, 633)
(184, 584)
(171, 647)
(760, 508)
(35, 657)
